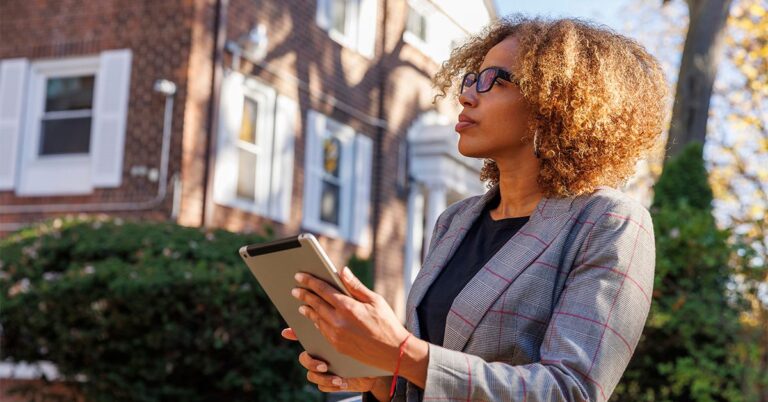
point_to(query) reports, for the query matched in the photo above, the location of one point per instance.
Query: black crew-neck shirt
(482, 241)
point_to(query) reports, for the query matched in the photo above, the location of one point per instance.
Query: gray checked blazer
(555, 315)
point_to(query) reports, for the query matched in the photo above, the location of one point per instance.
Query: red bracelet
(397, 367)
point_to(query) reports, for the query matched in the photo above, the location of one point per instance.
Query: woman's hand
(362, 326)
(316, 373)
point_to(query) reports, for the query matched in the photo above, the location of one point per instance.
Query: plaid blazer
(554, 315)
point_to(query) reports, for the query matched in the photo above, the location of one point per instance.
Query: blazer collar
(469, 307)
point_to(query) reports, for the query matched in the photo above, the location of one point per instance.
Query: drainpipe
(380, 134)
(162, 86)
(219, 38)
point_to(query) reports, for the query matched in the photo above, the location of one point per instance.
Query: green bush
(363, 270)
(145, 312)
(687, 351)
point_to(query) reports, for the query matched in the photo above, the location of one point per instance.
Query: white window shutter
(230, 117)
(109, 121)
(312, 170)
(282, 159)
(323, 16)
(367, 27)
(13, 80)
(361, 208)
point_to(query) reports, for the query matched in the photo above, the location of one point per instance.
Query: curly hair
(598, 99)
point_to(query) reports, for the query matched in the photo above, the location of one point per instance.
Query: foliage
(145, 312)
(363, 269)
(739, 172)
(688, 348)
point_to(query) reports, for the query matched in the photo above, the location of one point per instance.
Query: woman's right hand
(317, 373)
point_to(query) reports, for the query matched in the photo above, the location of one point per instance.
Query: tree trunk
(702, 53)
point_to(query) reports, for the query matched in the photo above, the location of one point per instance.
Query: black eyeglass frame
(498, 73)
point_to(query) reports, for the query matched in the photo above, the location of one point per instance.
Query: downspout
(381, 132)
(219, 38)
(164, 87)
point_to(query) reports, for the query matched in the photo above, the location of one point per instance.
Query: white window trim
(264, 96)
(311, 215)
(71, 173)
(357, 22)
(356, 174)
(436, 43)
(273, 199)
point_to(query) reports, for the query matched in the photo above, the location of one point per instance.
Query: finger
(327, 380)
(329, 389)
(288, 333)
(355, 287)
(311, 363)
(319, 305)
(320, 288)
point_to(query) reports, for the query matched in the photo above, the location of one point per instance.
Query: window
(66, 129)
(430, 30)
(337, 180)
(66, 121)
(416, 24)
(254, 162)
(352, 23)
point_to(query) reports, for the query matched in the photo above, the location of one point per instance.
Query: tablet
(274, 264)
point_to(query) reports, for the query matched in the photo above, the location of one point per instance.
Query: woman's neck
(519, 190)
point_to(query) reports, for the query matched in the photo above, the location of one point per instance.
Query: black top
(482, 241)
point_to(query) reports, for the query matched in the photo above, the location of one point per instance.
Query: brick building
(301, 115)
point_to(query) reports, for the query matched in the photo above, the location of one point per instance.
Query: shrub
(145, 312)
(687, 349)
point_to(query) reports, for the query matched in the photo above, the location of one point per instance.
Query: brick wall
(158, 34)
(174, 39)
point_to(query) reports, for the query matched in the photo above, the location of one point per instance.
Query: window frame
(360, 35)
(312, 211)
(79, 179)
(266, 98)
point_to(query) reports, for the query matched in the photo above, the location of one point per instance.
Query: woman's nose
(468, 97)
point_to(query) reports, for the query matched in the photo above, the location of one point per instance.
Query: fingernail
(316, 326)
(336, 381)
(302, 310)
(295, 292)
(347, 273)
(298, 277)
(322, 367)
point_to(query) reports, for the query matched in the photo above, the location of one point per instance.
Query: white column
(414, 235)
(436, 200)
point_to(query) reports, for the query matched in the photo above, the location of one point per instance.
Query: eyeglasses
(485, 79)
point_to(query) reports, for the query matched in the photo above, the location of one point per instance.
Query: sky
(602, 11)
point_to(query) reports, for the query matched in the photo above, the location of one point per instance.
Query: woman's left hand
(363, 326)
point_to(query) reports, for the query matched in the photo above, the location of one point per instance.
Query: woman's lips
(464, 122)
(463, 125)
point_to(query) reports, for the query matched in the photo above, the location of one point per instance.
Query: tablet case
(274, 264)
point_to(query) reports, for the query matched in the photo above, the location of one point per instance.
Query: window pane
(70, 93)
(339, 15)
(246, 175)
(329, 202)
(331, 155)
(248, 123)
(65, 136)
(416, 24)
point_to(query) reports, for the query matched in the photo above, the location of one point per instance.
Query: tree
(687, 351)
(702, 52)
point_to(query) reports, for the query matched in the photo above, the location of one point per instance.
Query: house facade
(297, 115)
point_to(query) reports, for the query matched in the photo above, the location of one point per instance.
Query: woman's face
(493, 123)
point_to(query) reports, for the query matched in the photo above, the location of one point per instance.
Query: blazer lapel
(440, 255)
(482, 291)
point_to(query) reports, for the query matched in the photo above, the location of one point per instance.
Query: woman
(539, 289)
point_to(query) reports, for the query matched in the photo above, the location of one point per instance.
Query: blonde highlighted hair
(598, 98)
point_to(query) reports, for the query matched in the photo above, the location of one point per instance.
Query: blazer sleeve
(591, 335)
